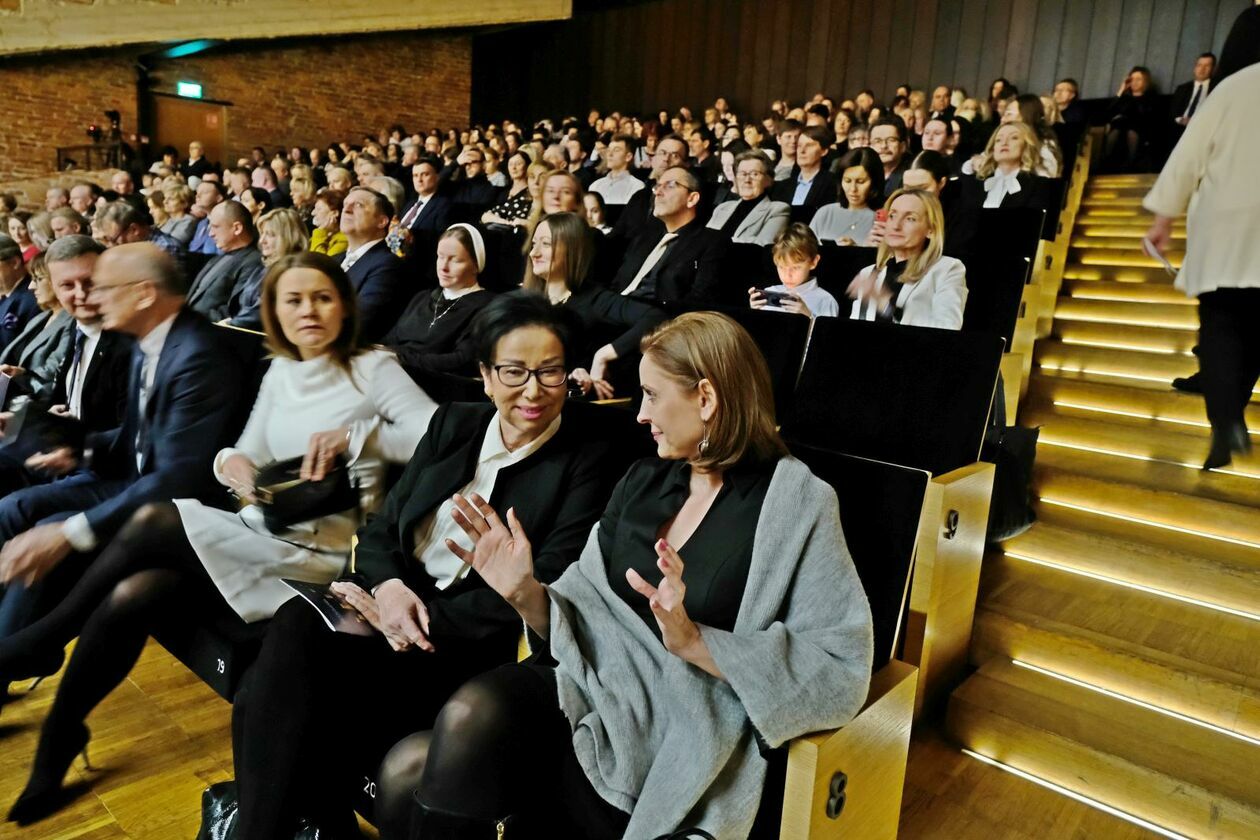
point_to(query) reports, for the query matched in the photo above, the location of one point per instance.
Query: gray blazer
(669, 743)
(766, 221)
(40, 351)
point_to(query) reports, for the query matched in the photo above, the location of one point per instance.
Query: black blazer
(1181, 99)
(188, 418)
(435, 216)
(378, 281)
(1034, 191)
(558, 494)
(690, 271)
(106, 386)
(822, 191)
(610, 318)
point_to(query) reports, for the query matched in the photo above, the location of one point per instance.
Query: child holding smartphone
(796, 255)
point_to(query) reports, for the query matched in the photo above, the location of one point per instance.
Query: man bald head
(136, 286)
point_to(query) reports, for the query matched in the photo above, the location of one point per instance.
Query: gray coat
(41, 352)
(761, 227)
(650, 728)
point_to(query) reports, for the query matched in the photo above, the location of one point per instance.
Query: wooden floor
(163, 736)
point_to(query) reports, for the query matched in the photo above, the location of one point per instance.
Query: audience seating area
(896, 420)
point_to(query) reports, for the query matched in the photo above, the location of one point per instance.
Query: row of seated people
(492, 523)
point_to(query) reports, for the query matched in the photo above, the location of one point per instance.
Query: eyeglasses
(515, 376)
(750, 174)
(661, 186)
(884, 141)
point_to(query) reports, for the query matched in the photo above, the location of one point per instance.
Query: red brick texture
(302, 93)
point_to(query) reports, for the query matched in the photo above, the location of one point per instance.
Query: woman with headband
(433, 335)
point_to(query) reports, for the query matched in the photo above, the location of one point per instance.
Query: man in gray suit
(753, 217)
(237, 265)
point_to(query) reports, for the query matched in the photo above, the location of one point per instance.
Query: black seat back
(913, 396)
(747, 264)
(995, 289)
(781, 337)
(1013, 231)
(880, 508)
(839, 264)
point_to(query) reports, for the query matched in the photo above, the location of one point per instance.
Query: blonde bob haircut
(923, 261)
(710, 346)
(286, 225)
(1028, 161)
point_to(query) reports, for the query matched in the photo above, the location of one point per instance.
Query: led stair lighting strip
(1128, 584)
(1079, 797)
(1132, 456)
(1061, 368)
(1115, 695)
(1120, 322)
(1107, 345)
(1199, 424)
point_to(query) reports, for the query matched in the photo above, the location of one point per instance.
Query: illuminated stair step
(1113, 201)
(1118, 273)
(1125, 337)
(1164, 404)
(1169, 645)
(1121, 257)
(1172, 773)
(1054, 355)
(1155, 509)
(1169, 315)
(1122, 242)
(1103, 289)
(1228, 580)
(1116, 229)
(1167, 443)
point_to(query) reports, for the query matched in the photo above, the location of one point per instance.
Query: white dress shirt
(77, 530)
(436, 528)
(77, 376)
(1196, 98)
(353, 257)
(617, 189)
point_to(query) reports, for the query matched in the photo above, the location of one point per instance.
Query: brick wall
(304, 92)
(50, 102)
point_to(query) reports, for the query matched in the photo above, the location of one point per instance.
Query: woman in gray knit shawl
(714, 615)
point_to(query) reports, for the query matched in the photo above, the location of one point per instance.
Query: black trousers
(1229, 351)
(319, 709)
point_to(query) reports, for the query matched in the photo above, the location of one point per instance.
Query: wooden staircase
(1118, 640)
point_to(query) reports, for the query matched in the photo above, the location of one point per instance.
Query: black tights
(132, 584)
(318, 710)
(503, 748)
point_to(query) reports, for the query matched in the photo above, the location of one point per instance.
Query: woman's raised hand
(679, 633)
(501, 553)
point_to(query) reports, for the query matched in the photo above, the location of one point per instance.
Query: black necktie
(1194, 101)
(75, 360)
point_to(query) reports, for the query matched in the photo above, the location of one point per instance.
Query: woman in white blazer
(753, 217)
(911, 283)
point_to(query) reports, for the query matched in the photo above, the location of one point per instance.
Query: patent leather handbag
(287, 499)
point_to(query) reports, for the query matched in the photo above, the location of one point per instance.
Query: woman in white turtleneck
(324, 395)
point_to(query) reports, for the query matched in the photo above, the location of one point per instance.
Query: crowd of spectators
(538, 260)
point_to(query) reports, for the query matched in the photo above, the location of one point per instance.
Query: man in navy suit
(424, 220)
(183, 406)
(375, 273)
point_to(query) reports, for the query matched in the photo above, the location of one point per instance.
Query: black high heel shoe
(34, 665)
(44, 794)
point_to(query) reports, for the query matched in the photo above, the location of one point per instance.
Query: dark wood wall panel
(666, 53)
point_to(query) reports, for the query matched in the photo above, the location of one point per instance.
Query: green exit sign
(192, 90)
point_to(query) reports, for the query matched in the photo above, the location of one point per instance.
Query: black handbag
(1010, 511)
(287, 499)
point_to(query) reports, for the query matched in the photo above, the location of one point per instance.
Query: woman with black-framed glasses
(320, 709)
